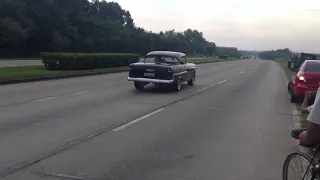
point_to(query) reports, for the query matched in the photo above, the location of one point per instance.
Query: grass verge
(303, 117)
(9, 75)
(13, 59)
(284, 65)
(209, 60)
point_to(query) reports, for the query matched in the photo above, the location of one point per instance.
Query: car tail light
(302, 78)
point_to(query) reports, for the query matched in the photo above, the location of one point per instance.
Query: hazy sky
(246, 24)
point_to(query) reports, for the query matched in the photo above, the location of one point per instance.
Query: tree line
(274, 54)
(28, 27)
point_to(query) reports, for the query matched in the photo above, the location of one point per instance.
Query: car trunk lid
(150, 70)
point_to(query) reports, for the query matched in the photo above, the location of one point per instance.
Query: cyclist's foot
(296, 132)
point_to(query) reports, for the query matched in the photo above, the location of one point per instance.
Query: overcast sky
(246, 24)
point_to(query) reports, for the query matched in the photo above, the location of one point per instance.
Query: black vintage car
(162, 67)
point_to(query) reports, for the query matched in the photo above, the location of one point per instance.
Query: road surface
(233, 124)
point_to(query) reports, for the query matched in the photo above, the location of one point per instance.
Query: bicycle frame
(316, 169)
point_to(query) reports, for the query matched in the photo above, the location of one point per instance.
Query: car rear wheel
(138, 85)
(293, 98)
(290, 90)
(192, 80)
(177, 85)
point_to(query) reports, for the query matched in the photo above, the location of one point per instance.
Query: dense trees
(28, 27)
(274, 54)
(229, 51)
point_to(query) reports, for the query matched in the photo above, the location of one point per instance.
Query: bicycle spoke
(297, 169)
(293, 172)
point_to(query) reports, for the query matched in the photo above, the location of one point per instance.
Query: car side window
(300, 67)
(183, 60)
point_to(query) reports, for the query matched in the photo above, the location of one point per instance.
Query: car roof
(166, 53)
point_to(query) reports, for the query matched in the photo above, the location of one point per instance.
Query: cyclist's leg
(296, 132)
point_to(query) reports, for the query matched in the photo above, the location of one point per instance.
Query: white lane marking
(242, 72)
(64, 176)
(205, 88)
(56, 97)
(45, 99)
(222, 81)
(137, 120)
(77, 93)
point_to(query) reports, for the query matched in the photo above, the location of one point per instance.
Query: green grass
(25, 72)
(284, 64)
(6, 59)
(303, 117)
(209, 60)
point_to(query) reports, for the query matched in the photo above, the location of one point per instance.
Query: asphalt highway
(233, 124)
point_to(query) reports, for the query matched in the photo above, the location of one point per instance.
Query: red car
(307, 78)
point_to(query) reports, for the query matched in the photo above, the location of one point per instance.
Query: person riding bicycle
(311, 135)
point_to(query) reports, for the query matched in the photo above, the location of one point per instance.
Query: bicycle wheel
(296, 165)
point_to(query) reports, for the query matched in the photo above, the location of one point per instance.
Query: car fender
(190, 66)
(179, 75)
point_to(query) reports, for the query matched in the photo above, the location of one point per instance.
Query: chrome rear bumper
(160, 81)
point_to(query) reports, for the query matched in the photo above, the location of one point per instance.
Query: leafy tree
(274, 54)
(28, 27)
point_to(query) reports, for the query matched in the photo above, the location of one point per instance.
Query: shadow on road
(162, 89)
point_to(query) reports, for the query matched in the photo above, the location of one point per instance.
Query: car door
(184, 70)
(188, 68)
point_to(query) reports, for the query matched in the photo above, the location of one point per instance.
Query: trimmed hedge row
(84, 61)
(223, 57)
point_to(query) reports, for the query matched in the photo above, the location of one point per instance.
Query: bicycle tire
(289, 158)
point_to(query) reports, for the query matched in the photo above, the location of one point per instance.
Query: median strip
(12, 75)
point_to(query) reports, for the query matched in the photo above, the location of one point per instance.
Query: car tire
(177, 85)
(290, 90)
(138, 85)
(192, 80)
(293, 98)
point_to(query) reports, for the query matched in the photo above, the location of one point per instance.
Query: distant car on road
(162, 67)
(307, 78)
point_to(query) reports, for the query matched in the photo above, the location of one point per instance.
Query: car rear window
(161, 59)
(313, 67)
